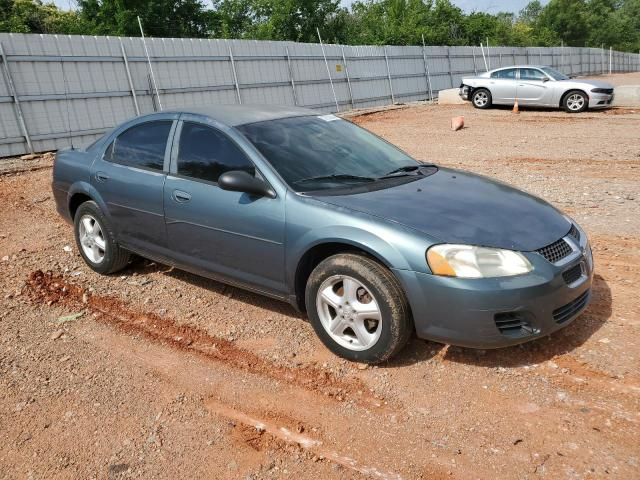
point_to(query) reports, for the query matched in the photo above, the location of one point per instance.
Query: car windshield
(323, 152)
(556, 75)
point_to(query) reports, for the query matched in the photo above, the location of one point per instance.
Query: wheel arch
(321, 251)
(81, 192)
(565, 94)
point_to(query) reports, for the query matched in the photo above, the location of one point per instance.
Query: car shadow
(417, 350)
(546, 348)
(141, 266)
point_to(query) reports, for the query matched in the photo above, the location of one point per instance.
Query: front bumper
(600, 100)
(485, 313)
(464, 92)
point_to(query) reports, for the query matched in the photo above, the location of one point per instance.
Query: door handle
(181, 197)
(102, 177)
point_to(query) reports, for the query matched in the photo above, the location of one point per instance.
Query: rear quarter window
(141, 146)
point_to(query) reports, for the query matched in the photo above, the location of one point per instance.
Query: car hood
(589, 83)
(459, 207)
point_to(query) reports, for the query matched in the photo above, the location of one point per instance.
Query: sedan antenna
(153, 77)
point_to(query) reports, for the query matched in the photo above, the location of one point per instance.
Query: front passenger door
(534, 88)
(233, 235)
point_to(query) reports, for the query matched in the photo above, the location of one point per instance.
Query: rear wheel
(575, 101)
(481, 98)
(96, 240)
(358, 308)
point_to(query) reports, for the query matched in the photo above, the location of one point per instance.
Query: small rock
(5, 258)
(30, 156)
(67, 248)
(57, 334)
(362, 366)
(457, 123)
(604, 340)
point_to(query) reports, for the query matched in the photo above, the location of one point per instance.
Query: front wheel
(575, 101)
(481, 98)
(358, 308)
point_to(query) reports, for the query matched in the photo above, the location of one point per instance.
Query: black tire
(481, 98)
(396, 320)
(115, 257)
(575, 101)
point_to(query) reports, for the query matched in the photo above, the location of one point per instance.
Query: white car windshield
(556, 75)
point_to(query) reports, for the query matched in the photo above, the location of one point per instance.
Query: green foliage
(32, 16)
(593, 23)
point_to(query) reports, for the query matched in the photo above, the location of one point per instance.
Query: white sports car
(535, 85)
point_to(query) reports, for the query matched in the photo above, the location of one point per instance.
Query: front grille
(513, 324)
(562, 314)
(573, 274)
(574, 232)
(556, 251)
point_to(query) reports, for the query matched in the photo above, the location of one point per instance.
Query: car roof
(234, 115)
(519, 66)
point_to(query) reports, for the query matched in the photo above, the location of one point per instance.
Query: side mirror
(241, 181)
(545, 79)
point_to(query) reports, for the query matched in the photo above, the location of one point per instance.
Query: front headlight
(467, 261)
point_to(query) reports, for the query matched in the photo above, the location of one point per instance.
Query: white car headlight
(467, 261)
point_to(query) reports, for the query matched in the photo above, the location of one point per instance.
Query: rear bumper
(61, 198)
(600, 100)
(485, 313)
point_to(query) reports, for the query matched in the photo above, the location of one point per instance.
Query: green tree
(568, 19)
(32, 16)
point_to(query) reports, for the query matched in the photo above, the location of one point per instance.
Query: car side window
(141, 146)
(205, 153)
(508, 74)
(531, 74)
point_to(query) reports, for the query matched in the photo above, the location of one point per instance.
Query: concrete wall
(75, 87)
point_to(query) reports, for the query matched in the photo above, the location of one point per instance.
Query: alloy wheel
(92, 239)
(575, 102)
(480, 99)
(349, 312)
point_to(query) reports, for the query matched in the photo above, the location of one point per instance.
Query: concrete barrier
(627, 96)
(450, 97)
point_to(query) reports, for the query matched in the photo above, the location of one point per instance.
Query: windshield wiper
(404, 170)
(335, 176)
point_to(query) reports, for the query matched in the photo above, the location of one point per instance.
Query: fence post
(326, 63)
(235, 75)
(540, 54)
(475, 66)
(293, 83)
(426, 69)
(346, 72)
(610, 59)
(528, 60)
(131, 87)
(386, 59)
(450, 70)
(16, 101)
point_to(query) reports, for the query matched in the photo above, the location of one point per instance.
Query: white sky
(491, 6)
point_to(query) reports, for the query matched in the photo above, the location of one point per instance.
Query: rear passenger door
(130, 177)
(233, 235)
(503, 86)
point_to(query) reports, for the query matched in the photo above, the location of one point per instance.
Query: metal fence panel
(71, 89)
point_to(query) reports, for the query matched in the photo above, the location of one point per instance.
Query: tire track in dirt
(50, 289)
(304, 441)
